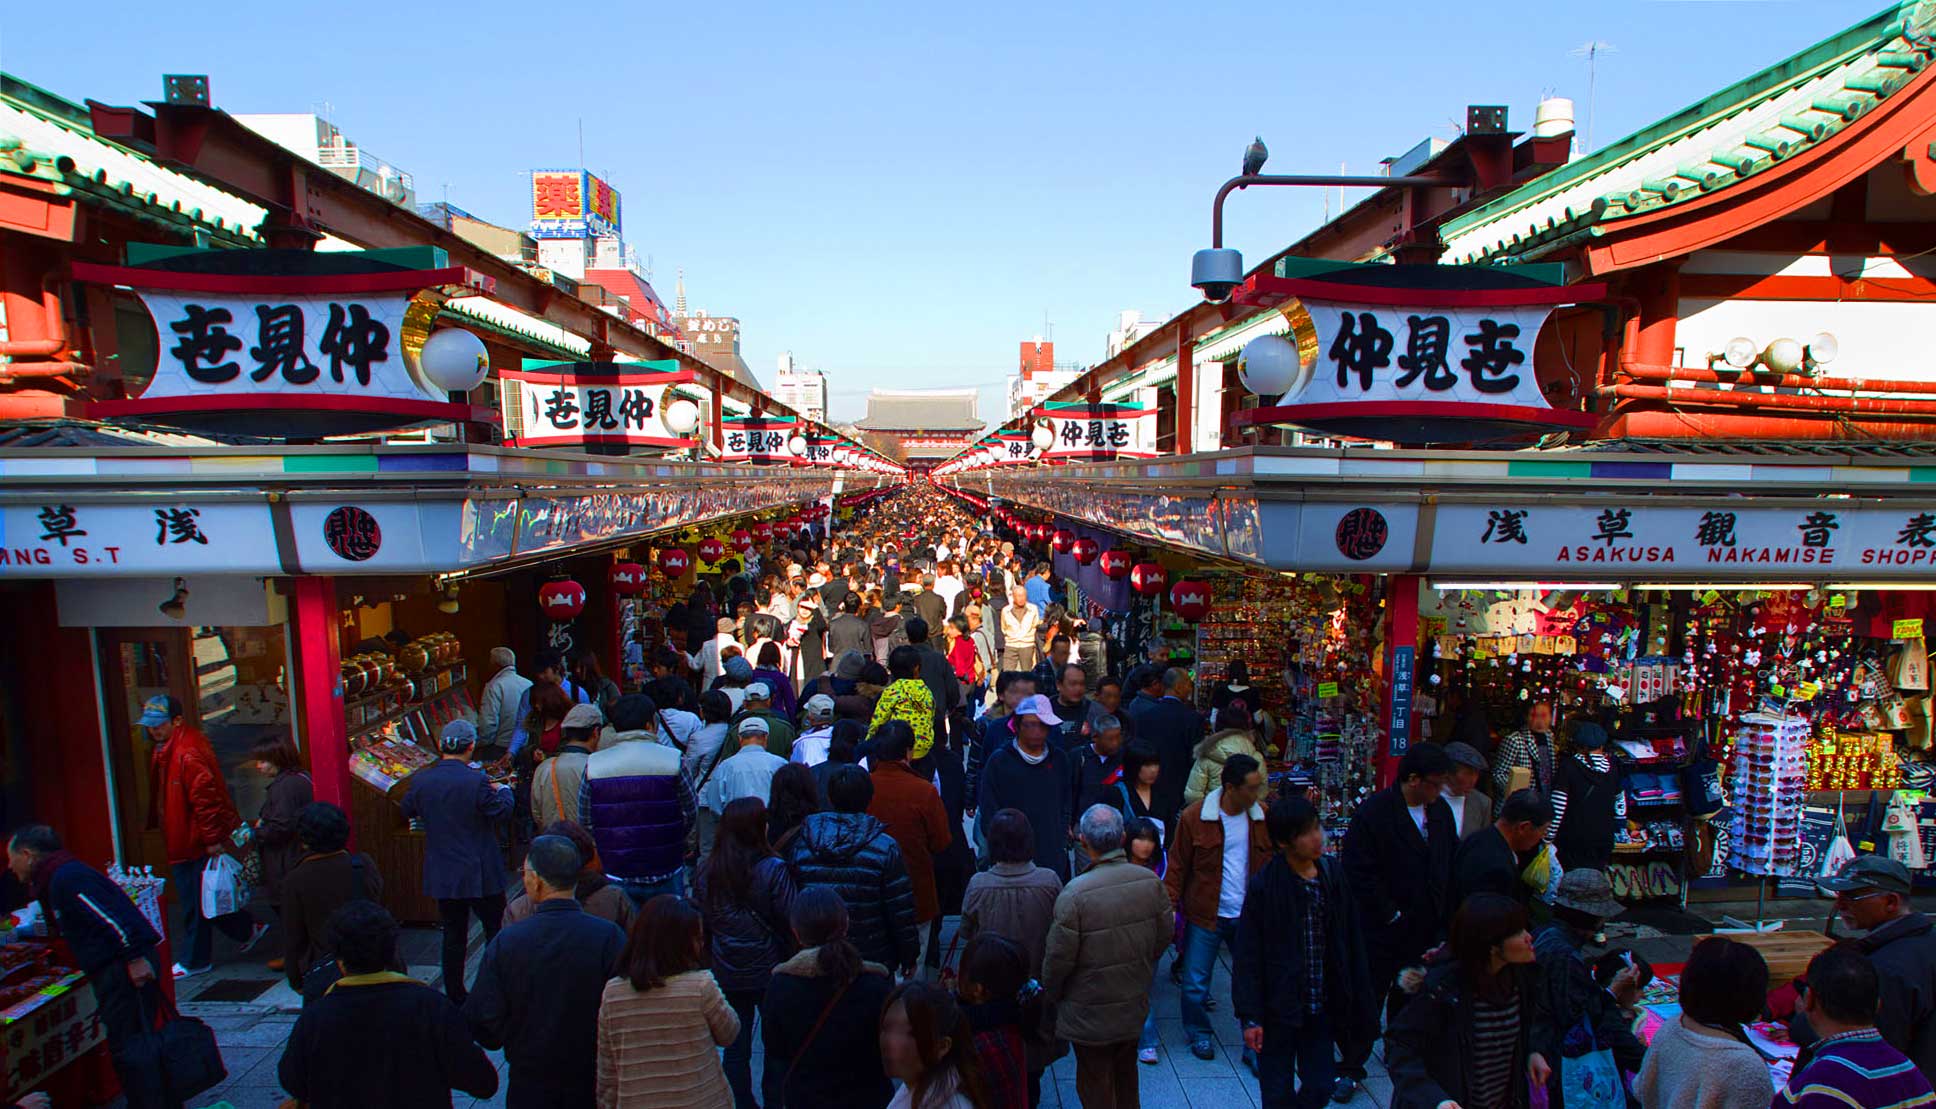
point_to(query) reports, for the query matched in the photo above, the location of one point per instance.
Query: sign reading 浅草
(59, 537)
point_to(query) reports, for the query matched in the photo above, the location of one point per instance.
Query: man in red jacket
(191, 805)
(911, 808)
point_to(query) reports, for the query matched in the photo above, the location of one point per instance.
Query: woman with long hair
(549, 704)
(1466, 1038)
(927, 1044)
(1702, 1059)
(793, 797)
(843, 749)
(289, 790)
(823, 1013)
(661, 1021)
(745, 894)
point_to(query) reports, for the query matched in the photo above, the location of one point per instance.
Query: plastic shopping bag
(1591, 1080)
(224, 890)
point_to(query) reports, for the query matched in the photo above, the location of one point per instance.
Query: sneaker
(255, 937)
(1203, 1048)
(1146, 1056)
(190, 972)
(1344, 1089)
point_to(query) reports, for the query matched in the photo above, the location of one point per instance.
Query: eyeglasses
(1849, 897)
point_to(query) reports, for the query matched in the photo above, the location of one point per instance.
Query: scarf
(44, 868)
(1032, 760)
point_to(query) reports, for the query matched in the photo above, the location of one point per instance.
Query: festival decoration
(561, 600)
(627, 579)
(1147, 578)
(674, 562)
(710, 549)
(1062, 539)
(742, 540)
(1115, 565)
(1085, 550)
(1190, 599)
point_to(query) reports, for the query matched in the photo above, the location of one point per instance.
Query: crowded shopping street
(1468, 652)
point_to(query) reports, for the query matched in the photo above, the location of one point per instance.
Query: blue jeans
(641, 891)
(739, 1056)
(1150, 1038)
(1304, 1053)
(198, 942)
(1199, 962)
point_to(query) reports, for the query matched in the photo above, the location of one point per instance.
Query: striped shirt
(1599, 763)
(1855, 1070)
(1314, 944)
(1495, 1043)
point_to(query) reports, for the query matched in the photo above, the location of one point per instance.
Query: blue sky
(899, 193)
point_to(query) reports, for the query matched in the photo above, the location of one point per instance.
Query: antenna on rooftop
(1591, 51)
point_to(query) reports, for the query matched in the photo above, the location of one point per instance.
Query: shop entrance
(136, 664)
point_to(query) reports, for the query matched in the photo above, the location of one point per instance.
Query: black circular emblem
(354, 534)
(1362, 533)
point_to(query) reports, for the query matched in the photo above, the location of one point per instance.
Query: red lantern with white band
(561, 600)
(1115, 565)
(674, 562)
(742, 541)
(1190, 599)
(1147, 578)
(1085, 550)
(711, 549)
(627, 579)
(1062, 539)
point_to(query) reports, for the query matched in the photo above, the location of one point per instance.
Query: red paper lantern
(742, 540)
(674, 562)
(1062, 539)
(561, 600)
(794, 523)
(1146, 578)
(1115, 565)
(763, 532)
(627, 579)
(1043, 532)
(1085, 550)
(1190, 599)
(710, 549)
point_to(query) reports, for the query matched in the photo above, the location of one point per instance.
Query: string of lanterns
(1190, 599)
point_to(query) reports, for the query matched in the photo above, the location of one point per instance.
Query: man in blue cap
(1872, 894)
(463, 866)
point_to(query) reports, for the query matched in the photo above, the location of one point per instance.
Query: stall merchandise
(48, 1016)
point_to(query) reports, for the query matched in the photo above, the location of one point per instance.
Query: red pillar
(318, 689)
(1186, 390)
(1401, 654)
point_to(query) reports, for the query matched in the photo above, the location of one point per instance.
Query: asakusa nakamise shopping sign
(57, 537)
(573, 403)
(1414, 354)
(756, 438)
(1100, 432)
(280, 343)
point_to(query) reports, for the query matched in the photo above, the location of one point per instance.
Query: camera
(1217, 272)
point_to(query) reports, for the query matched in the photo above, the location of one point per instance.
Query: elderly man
(1097, 771)
(818, 719)
(758, 704)
(1872, 894)
(554, 785)
(1471, 808)
(497, 712)
(463, 867)
(1111, 925)
(1031, 775)
(1019, 621)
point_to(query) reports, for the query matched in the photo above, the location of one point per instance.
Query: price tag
(1838, 601)
(1327, 689)
(1807, 691)
(1908, 629)
(1710, 597)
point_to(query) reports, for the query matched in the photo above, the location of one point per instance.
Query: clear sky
(899, 193)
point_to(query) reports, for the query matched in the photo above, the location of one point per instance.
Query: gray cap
(1870, 872)
(819, 706)
(457, 737)
(1588, 891)
(1465, 754)
(754, 724)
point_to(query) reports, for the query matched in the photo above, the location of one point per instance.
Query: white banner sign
(557, 411)
(57, 539)
(309, 345)
(1440, 355)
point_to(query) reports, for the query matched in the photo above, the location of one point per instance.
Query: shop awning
(1774, 513)
(356, 509)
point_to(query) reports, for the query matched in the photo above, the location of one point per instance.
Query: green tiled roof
(1717, 142)
(50, 139)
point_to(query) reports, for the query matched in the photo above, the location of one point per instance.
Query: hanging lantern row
(1190, 599)
(711, 549)
(742, 541)
(1147, 578)
(1063, 540)
(1115, 565)
(1085, 550)
(674, 562)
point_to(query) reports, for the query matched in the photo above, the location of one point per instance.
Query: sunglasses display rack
(1768, 787)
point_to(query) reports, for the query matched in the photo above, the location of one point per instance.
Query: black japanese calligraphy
(598, 410)
(1071, 434)
(1614, 523)
(561, 408)
(634, 407)
(1426, 340)
(1505, 525)
(205, 341)
(1815, 528)
(1492, 355)
(279, 345)
(1118, 434)
(736, 441)
(60, 521)
(1362, 347)
(1716, 530)
(354, 340)
(1920, 531)
(1094, 437)
(179, 525)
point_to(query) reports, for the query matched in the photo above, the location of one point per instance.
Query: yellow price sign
(1908, 629)
(1710, 597)
(1807, 691)
(1327, 689)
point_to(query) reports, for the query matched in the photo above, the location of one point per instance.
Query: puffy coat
(1111, 925)
(749, 936)
(1207, 773)
(191, 802)
(853, 853)
(637, 806)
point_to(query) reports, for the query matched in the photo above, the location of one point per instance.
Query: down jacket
(1207, 773)
(749, 936)
(853, 853)
(1111, 925)
(190, 803)
(637, 806)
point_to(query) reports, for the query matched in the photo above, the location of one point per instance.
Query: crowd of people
(841, 741)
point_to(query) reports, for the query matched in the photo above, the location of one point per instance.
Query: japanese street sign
(1101, 432)
(1400, 731)
(756, 438)
(573, 403)
(572, 204)
(57, 538)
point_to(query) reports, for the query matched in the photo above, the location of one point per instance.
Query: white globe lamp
(682, 416)
(797, 445)
(1268, 366)
(1783, 356)
(1043, 436)
(454, 360)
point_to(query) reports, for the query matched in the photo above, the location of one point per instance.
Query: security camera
(1217, 272)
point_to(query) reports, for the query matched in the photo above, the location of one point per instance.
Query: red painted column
(1186, 390)
(317, 693)
(1401, 631)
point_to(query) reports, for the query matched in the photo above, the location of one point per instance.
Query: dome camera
(1217, 273)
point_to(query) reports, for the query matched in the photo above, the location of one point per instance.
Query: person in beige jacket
(661, 1021)
(1211, 754)
(1111, 925)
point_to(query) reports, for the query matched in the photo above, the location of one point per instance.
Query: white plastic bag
(224, 890)
(1840, 853)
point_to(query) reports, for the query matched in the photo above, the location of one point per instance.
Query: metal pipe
(1643, 372)
(1653, 424)
(50, 306)
(1872, 406)
(1314, 180)
(9, 371)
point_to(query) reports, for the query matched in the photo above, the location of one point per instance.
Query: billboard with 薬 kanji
(572, 204)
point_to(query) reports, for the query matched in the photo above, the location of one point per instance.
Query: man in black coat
(1398, 856)
(380, 1039)
(1492, 858)
(540, 983)
(1033, 776)
(936, 673)
(1173, 728)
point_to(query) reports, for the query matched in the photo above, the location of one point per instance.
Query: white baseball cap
(1038, 707)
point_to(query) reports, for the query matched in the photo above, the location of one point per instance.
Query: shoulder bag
(814, 1033)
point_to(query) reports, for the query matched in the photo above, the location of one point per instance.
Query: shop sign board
(575, 403)
(1414, 354)
(572, 204)
(1400, 724)
(1101, 432)
(271, 352)
(48, 1031)
(756, 438)
(63, 538)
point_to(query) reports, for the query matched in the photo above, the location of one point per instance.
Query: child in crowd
(993, 975)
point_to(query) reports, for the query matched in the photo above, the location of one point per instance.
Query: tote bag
(1592, 1080)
